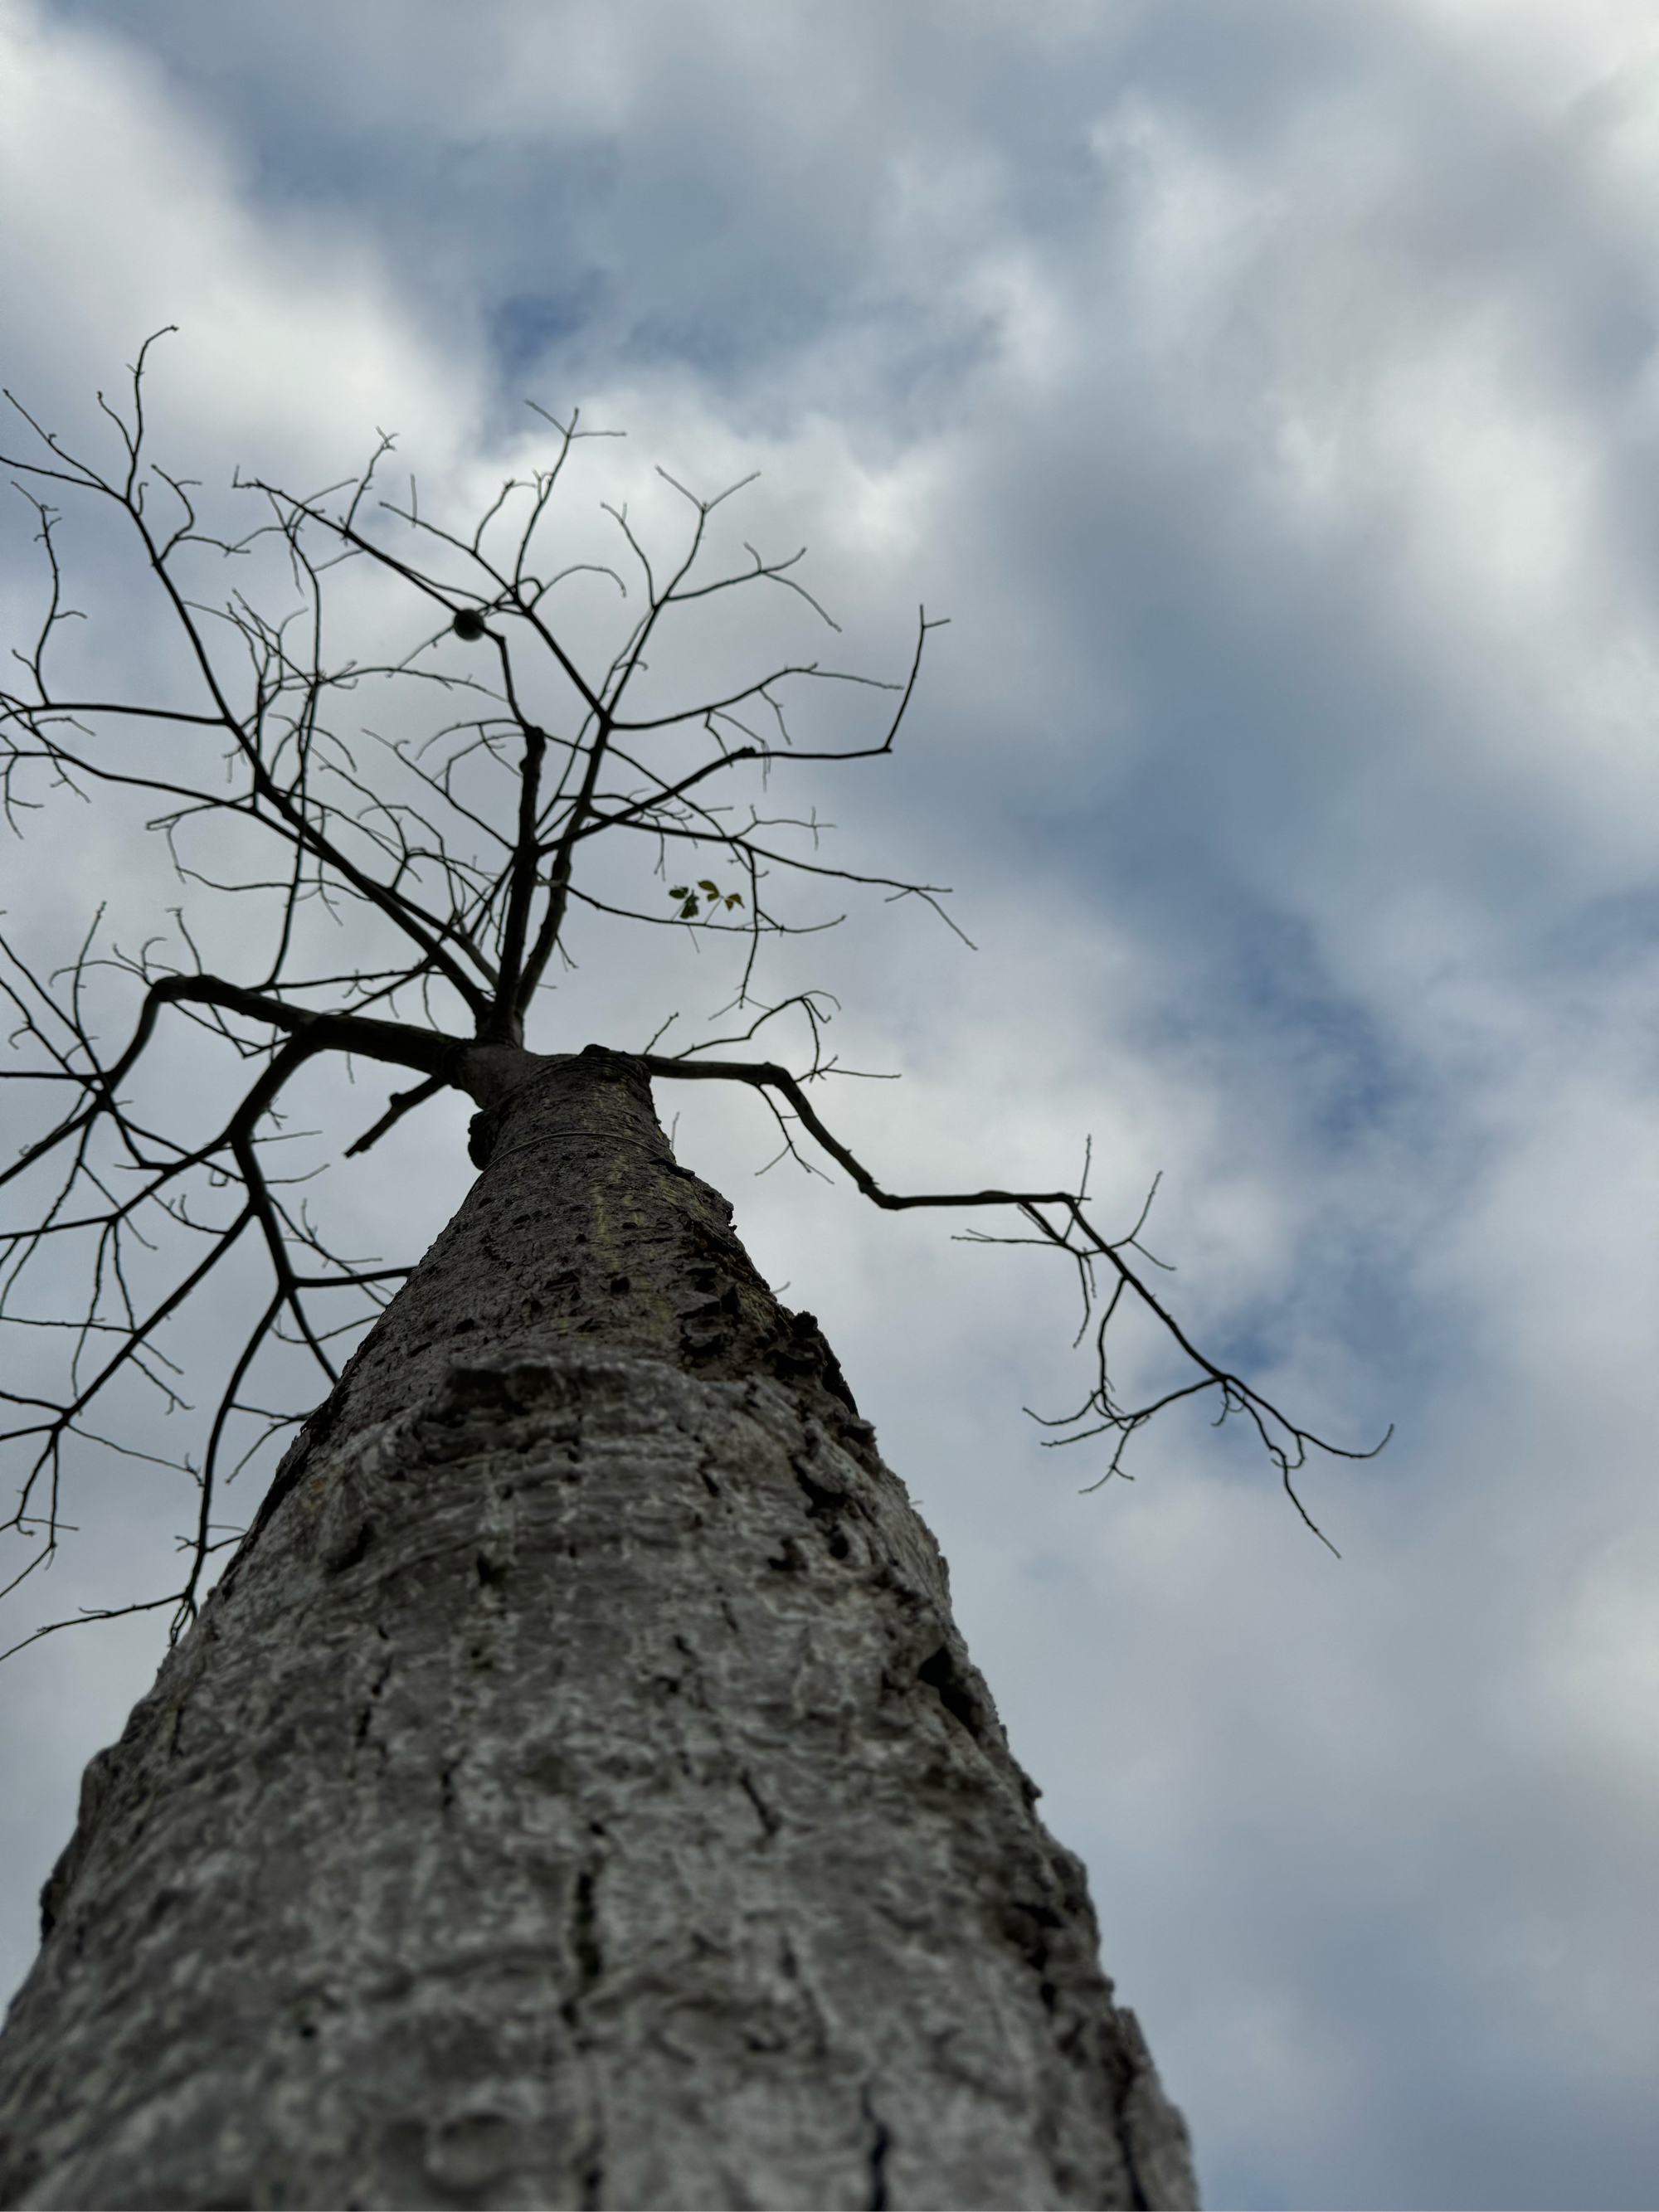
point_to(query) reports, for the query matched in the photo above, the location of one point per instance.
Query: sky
(1268, 392)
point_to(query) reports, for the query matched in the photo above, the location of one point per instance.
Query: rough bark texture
(576, 1792)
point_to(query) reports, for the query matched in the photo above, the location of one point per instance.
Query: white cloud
(1266, 397)
(125, 210)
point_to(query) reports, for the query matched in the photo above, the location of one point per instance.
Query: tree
(574, 1788)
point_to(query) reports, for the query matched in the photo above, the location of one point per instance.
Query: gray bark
(575, 1791)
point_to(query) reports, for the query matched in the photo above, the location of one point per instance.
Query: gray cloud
(1268, 396)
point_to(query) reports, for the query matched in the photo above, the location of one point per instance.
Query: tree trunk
(575, 1791)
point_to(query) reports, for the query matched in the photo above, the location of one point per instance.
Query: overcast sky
(1267, 392)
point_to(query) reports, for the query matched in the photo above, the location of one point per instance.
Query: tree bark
(575, 1791)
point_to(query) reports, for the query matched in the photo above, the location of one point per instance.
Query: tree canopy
(392, 759)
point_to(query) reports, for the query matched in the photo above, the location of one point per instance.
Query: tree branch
(1285, 1444)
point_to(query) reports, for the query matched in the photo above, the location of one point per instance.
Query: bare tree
(575, 1790)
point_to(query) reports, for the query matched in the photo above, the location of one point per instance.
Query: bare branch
(1286, 1444)
(401, 879)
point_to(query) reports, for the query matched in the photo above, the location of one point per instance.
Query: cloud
(1268, 398)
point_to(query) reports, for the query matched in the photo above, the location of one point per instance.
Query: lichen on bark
(576, 1791)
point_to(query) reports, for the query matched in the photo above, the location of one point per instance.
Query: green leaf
(733, 898)
(713, 890)
(679, 890)
(689, 908)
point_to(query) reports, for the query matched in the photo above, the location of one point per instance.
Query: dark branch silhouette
(455, 857)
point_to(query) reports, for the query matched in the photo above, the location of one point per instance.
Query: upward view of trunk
(576, 1792)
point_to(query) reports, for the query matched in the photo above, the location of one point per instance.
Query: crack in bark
(881, 2144)
(771, 1820)
(355, 1552)
(826, 1503)
(941, 1674)
(584, 1944)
